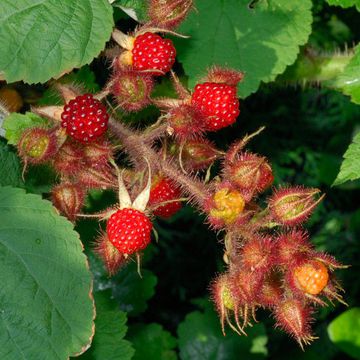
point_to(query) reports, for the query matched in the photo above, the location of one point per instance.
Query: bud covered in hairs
(131, 90)
(246, 284)
(224, 76)
(295, 317)
(197, 154)
(37, 145)
(292, 248)
(68, 198)
(98, 153)
(257, 254)
(271, 291)
(250, 173)
(292, 206)
(185, 122)
(168, 14)
(225, 302)
(98, 177)
(69, 160)
(112, 258)
(221, 293)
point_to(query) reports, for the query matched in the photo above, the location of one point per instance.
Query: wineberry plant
(158, 152)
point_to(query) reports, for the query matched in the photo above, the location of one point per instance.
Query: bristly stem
(135, 145)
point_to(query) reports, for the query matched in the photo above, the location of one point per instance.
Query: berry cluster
(270, 261)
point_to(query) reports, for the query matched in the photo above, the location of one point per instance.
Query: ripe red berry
(152, 52)
(165, 190)
(217, 103)
(129, 230)
(84, 118)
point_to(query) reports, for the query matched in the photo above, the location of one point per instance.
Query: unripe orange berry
(312, 277)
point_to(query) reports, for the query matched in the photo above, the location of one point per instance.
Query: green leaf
(45, 295)
(152, 342)
(260, 41)
(350, 167)
(15, 124)
(349, 81)
(129, 289)
(41, 39)
(200, 338)
(344, 332)
(136, 9)
(10, 173)
(133, 292)
(110, 330)
(345, 3)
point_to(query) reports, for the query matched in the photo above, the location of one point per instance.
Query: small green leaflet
(345, 3)
(200, 338)
(15, 124)
(350, 167)
(136, 9)
(349, 81)
(110, 329)
(152, 342)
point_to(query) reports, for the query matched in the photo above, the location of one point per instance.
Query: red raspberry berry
(164, 190)
(129, 230)
(84, 118)
(217, 103)
(151, 52)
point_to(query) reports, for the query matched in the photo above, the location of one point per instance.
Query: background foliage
(166, 314)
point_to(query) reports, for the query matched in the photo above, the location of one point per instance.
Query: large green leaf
(344, 331)
(345, 3)
(350, 167)
(10, 173)
(15, 124)
(349, 81)
(260, 41)
(46, 306)
(110, 329)
(200, 338)
(41, 39)
(152, 342)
